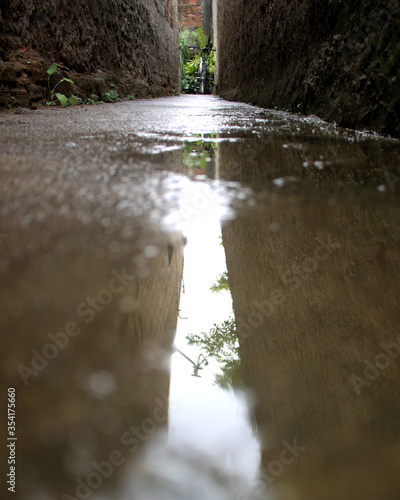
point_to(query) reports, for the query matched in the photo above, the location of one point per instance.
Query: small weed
(130, 97)
(93, 99)
(111, 96)
(149, 96)
(63, 99)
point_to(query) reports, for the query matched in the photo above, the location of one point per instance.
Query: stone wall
(133, 45)
(335, 59)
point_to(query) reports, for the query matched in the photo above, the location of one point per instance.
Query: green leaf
(201, 38)
(63, 100)
(67, 80)
(52, 69)
(74, 100)
(221, 284)
(49, 103)
(111, 96)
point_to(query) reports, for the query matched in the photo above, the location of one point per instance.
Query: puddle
(262, 242)
(311, 335)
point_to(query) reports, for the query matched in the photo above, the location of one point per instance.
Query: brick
(189, 12)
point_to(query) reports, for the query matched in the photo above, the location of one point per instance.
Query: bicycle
(202, 72)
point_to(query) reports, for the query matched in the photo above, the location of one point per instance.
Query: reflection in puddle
(312, 259)
(203, 417)
(307, 262)
(199, 157)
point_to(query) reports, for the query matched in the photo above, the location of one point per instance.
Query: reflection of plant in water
(221, 343)
(221, 284)
(198, 155)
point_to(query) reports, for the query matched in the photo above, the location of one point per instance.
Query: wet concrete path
(95, 205)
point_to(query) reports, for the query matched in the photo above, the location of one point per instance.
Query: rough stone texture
(132, 44)
(336, 59)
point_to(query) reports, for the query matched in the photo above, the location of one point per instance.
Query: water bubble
(101, 384)
(151, 251)
(319, 165)
(280, 182)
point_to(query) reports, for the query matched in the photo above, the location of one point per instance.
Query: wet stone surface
(97, 207)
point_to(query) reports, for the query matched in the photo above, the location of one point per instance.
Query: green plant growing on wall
(93, 99)
(211, 68)
(201, 38)
(187, 39)
(190, 83)
(63, 99)
(111, 95)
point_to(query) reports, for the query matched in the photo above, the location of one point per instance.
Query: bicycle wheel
(203, 79)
